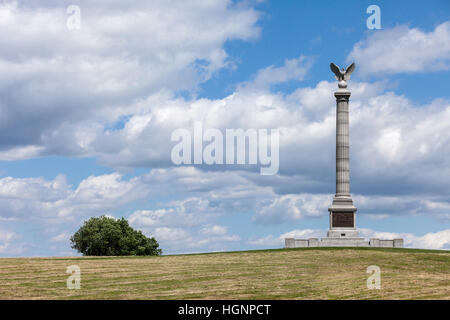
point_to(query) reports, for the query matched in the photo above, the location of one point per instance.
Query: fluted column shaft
(342, 144)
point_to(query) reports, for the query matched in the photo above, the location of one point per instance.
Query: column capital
(342, 94)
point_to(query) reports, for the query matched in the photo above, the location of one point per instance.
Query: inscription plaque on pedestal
(342, 220)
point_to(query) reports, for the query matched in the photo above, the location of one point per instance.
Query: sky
(89, 99)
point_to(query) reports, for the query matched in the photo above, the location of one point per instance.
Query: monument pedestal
(342, 218)
(342, 233)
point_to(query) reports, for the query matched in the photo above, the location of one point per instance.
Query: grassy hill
(310, 273)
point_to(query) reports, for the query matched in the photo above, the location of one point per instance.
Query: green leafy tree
(103, 236)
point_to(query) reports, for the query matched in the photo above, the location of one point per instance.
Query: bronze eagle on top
(342, 75)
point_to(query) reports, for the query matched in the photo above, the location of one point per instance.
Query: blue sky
(88, 115)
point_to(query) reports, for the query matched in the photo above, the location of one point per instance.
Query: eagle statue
(342, 75)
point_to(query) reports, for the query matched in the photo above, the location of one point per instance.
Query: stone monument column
(342, 210)
(342, 232)
(342, 144)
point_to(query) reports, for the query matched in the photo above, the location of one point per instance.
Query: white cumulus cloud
(403, 50)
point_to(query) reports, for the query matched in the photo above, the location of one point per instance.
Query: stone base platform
(342, 242)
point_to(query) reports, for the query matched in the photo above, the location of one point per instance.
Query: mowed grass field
(322, 273)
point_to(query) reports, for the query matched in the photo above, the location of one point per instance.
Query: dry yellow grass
(266, 274)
